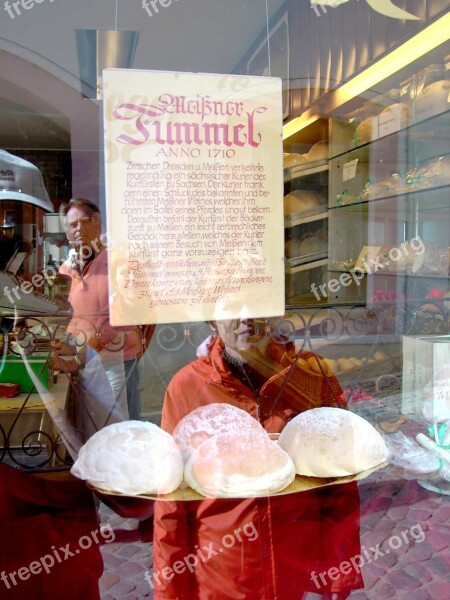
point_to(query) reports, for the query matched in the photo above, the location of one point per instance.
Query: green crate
(13, 370)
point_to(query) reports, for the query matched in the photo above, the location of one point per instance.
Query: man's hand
(65, 357)
(63, 348)
(65, 365)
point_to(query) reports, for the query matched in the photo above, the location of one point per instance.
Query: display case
(306, 213)
(389, 211)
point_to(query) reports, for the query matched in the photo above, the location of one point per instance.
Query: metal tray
(300, 484)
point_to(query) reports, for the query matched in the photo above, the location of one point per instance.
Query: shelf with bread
(302, 169)
(314, 161)
(397, 164)
(307, 241)
(389, 206)
(430, 200)
(385, 117)
(306, 213)
(413, 271)
(390, 240)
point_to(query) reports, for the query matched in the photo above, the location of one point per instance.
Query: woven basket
(316, 389)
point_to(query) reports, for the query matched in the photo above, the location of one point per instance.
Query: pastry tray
(300, 484)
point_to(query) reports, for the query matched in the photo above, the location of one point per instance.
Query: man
(99, 346)
(298, 535)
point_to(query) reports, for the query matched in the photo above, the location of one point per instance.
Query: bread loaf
(318, 151)
(332, 442)
(299, 201)
(133, 457)
(210, 420)
(293, 160)
(239, 464)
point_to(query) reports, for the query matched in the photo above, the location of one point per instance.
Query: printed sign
(194, 193)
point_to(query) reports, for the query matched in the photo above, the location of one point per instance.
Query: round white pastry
(131, 457)
(212, 419)
(239, 464)
(332, 442)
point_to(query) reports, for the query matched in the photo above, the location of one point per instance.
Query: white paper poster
(194, 193)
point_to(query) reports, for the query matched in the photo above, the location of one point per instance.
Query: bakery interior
(366, 265)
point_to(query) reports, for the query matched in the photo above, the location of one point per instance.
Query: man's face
(83, 227)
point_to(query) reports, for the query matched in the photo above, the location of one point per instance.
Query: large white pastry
(239, 464)
(132, 457)
(212, 419)
(332, 442)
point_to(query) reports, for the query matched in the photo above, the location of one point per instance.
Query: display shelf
(297, 219)
(302, 280)
(318, 259)
(386, 273)
(389, 203)
(309, 168)
(434, 128)
(430, 200)
(306, 228)
(303, 140)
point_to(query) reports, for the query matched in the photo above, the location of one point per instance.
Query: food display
(339, 366)
(220, 451)
(210, 420)
(317, 364)
(307, 246)
(393, 118)
(374, 119)
(301, 201)
(433, 99)
(430, 174)
(318, 151)
(366, 131)
(292, 159)
(132, 457)
(332, 442)
(239, 464)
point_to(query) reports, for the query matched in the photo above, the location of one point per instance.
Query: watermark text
(368, 555)
(45, 563)
(190, 562)
(14, 8)
(152, 7)
(368, 266)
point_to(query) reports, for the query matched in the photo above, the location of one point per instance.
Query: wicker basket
(316, 389)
